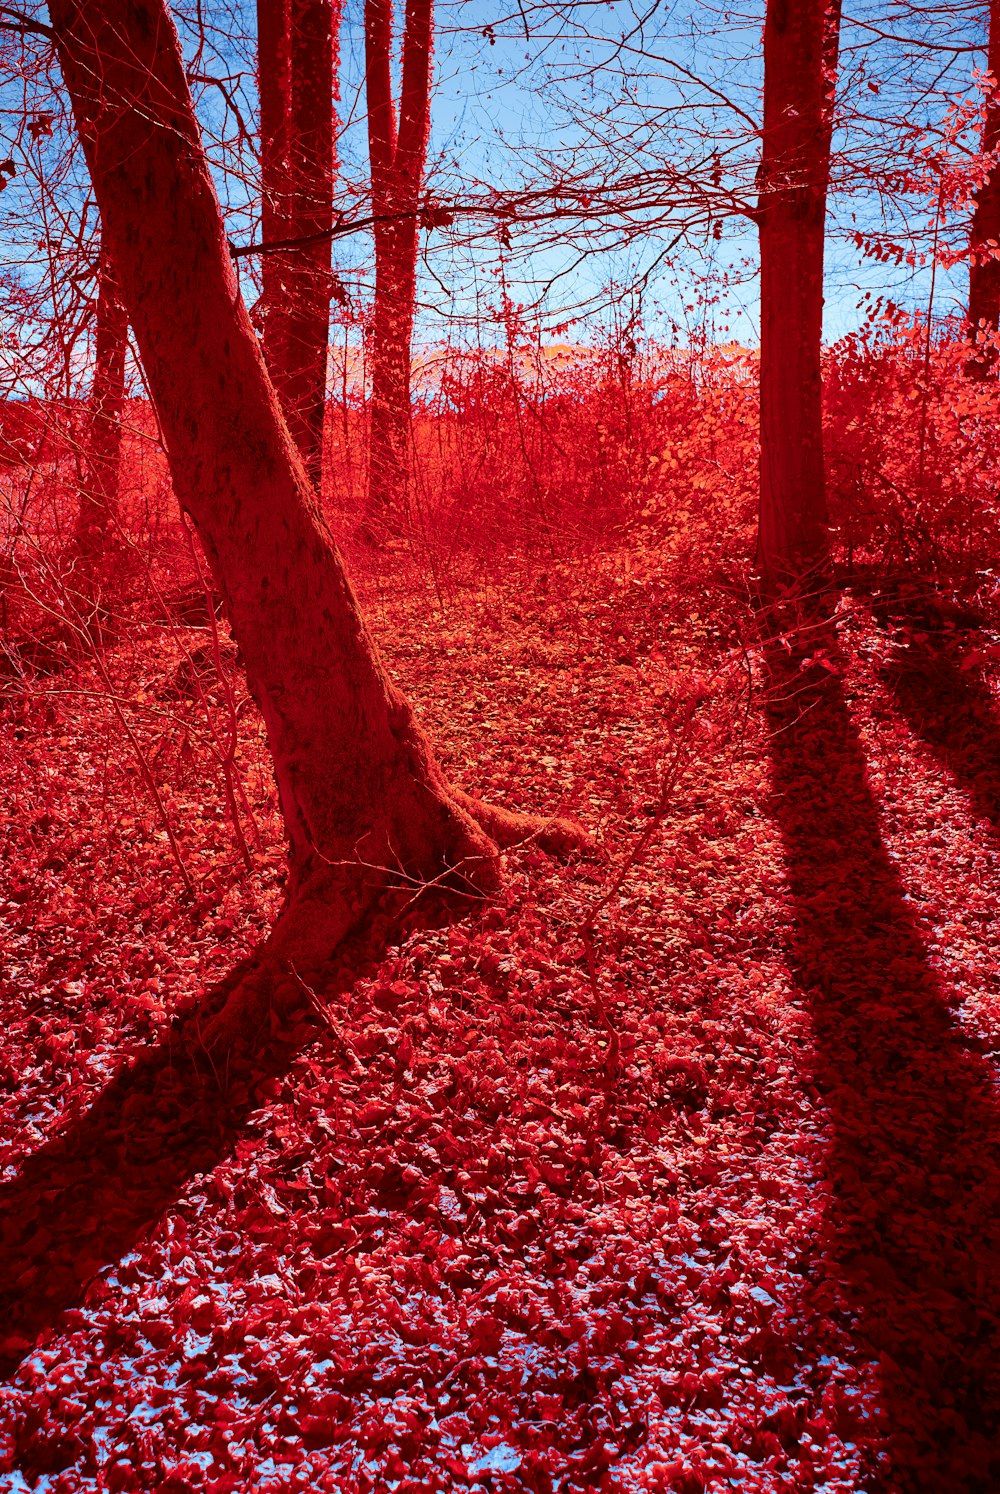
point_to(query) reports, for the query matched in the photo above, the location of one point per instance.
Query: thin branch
(25, 24)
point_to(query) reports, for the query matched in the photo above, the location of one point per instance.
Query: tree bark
(97, 533)
(397, 156)
(984, 266)
(365, 805)
(801, 39)
(274, 86)
(297, 45)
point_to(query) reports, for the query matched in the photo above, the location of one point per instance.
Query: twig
(330, 1024)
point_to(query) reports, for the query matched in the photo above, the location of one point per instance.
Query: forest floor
(677, 1168)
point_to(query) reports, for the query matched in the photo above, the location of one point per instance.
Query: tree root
(349, 914)
(330, 925)
(509, 828)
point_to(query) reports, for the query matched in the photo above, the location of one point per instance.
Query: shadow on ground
(915, 1155)
(939, 690)
(88, 1195)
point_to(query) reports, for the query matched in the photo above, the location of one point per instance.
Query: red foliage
(913, 463)
(674, 1170)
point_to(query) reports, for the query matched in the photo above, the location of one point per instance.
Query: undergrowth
(673, 1168)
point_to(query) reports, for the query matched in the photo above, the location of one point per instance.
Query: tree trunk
(365, 805)
(800, 64)
(398, 157)
(297, 45)
(97, 534)
(274, 90)
(391, 333)
(984, 267)
(315, 34)
(96, 550)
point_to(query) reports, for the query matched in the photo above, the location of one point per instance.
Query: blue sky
(695, 70)
(684, 86)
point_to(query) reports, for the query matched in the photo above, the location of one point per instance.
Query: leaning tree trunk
(365, 806)
(297, 50)
(800, 63)
(397, 157)
(984, 266)
(97, 540)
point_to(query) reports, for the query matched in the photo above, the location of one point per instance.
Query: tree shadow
(943, 697)
(914, 1161)
(89, 1194)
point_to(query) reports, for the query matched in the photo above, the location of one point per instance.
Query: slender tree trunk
(364, 802)
(800, 63)
(274, 89)
(397, 154)
(97, 534)
(984, 267)
(391, 334)
(315, 33)
(297, 41)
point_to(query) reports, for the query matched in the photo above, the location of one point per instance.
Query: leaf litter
(556, 1201)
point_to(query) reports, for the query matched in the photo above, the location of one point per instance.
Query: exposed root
(509, 828)
(339, 919)
(349, 913)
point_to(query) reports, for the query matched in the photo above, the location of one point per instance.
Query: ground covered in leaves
(674, 1169)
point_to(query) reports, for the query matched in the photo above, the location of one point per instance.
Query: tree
(274, 95)
(984, 266)
(366, 807)
(397, 154)
(96, 536)
(800, 63)
(297, 52)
